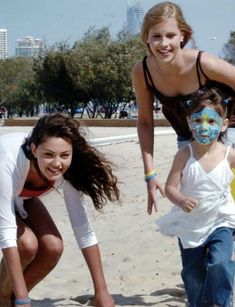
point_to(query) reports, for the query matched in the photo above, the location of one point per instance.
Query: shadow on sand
(171, 297)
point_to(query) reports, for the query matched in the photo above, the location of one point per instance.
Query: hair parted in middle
(161, 12)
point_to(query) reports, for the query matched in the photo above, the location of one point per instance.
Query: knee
(52, 249)
(28, 247)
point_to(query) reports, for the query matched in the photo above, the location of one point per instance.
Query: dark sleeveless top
(173, 107)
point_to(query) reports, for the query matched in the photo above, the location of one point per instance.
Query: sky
(68, 20)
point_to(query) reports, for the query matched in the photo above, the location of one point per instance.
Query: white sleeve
(8, 227)
(14, 168)
(75, 204)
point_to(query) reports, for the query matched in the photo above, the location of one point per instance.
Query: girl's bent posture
(55, 155)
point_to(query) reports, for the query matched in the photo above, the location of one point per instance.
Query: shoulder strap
(199, 68)
(227, 152)
(147, 75)
(190, 149)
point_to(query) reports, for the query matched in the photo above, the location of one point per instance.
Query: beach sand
(141, 266)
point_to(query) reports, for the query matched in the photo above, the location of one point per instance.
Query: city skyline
(68, 20)
(3, 44)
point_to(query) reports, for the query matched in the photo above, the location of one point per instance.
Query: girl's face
(164, 39)
(53, 157)
(206, 125)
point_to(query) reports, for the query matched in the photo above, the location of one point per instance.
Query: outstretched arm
(87, 241)
(145, 127)
(93, 260)
(15, 273)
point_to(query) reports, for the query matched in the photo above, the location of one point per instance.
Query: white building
(29, 46)
(3, 44)
(135, 15)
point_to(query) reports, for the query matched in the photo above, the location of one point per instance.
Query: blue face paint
(205, 125)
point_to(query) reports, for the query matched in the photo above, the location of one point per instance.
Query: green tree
(17, 84)
(101, 69)
(95, 72)
(53, 79)
(229, 48)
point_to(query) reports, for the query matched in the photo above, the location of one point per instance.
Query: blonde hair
(162, 12)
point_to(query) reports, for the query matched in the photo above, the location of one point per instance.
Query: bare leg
(40, 246)
(27, 245)
(50, 244)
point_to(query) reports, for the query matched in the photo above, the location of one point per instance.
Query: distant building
(29, 47)
(3, 44)
(135, 15)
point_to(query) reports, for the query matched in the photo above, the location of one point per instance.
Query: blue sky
(59, 20)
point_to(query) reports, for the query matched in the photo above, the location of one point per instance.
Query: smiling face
(164, 39)
(53, 156)
(206, 125)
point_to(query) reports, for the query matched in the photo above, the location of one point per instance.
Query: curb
(124, 138)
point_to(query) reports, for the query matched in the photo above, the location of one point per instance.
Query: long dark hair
(89, 172)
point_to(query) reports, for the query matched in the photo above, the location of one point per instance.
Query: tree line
(93, 75)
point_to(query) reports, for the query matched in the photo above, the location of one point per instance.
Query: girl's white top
(14, 168)
(216, 205)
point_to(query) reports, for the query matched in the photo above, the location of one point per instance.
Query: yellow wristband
(149, 174)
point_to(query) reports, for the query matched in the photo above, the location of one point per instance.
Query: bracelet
(150, 176)
(22, 301)
(150, 173)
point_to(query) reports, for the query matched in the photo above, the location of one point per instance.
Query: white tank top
(216, 205)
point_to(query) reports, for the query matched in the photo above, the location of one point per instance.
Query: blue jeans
(208, 270)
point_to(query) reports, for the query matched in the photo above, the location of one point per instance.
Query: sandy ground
(142, 267)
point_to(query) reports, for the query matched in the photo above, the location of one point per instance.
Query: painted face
(205, 125)
(164, 39)
(53, 157)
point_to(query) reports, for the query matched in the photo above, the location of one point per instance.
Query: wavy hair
(89, 172)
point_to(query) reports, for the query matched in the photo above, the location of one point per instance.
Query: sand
(141, 266)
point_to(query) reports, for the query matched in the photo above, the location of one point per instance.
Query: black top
(173, 107)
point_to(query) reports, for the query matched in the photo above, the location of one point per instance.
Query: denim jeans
(208, 270)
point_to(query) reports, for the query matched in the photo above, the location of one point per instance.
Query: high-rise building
(29, 46)
(135, 15)
(3, 44)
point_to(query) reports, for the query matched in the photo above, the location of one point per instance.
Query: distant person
(203, 217)
(54, 156)
(171, 73)
(123, 114)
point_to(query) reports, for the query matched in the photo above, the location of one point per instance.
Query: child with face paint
(203, 217)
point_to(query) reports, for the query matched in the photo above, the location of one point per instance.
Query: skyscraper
(29, 46)
(3, 44)
(135, 15)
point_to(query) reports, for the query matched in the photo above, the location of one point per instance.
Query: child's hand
(188, 204)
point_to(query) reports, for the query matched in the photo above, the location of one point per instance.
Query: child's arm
(173, 182)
